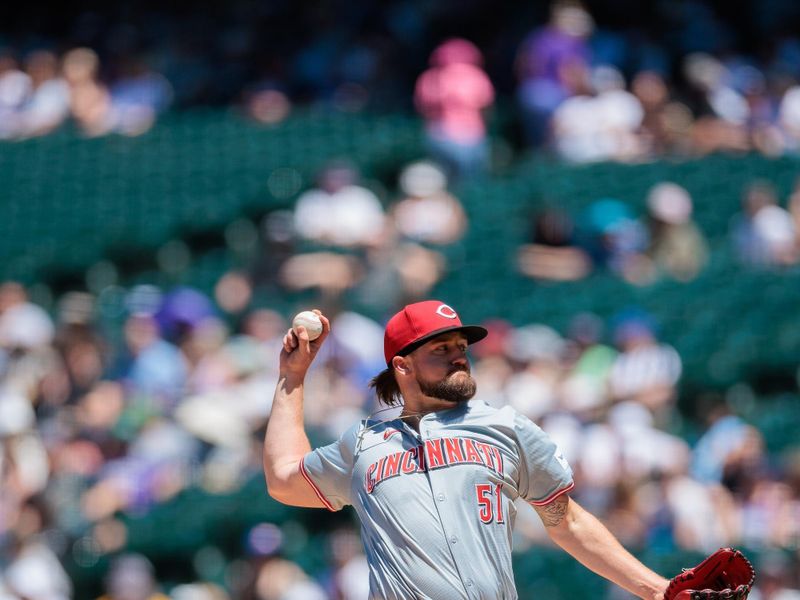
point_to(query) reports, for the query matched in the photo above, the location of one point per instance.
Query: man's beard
(453, 388)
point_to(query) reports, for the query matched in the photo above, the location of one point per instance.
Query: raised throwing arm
(583, 536)
(286, 442)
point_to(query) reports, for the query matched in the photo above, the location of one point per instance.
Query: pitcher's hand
(298, 351)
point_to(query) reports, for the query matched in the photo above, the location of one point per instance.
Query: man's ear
(401, 364)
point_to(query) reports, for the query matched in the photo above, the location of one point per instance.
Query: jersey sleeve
(544, 472)
(328, 470)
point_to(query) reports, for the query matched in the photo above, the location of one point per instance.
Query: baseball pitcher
(435, 488)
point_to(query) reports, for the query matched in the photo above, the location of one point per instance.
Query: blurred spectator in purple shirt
(544, 63)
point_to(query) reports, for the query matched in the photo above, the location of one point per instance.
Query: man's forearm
(285, 442)
(588, 540)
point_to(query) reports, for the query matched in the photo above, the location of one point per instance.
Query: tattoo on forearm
(552, 514)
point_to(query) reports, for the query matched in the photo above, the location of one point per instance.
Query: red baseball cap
(419, 322)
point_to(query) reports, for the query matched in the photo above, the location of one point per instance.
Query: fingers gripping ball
(724, 574)
(309, 320)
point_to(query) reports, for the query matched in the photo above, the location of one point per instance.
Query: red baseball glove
(725, 574)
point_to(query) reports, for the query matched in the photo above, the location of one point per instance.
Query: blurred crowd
(665, 242)
(340, 240)
(681, 80)
(583, 93)
(346, 241)
(38, 96)
(98, 423)
(91, 430)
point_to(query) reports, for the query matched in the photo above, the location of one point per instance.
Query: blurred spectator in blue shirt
(156, 368)
(138, 97)
(14, 89)
(789, 119)
(617, 240)
(763, 234)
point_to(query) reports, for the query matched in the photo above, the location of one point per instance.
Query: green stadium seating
(70, 201)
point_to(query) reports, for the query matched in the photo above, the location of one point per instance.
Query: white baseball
(309, 320)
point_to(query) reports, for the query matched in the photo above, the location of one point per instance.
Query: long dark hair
(386, 388)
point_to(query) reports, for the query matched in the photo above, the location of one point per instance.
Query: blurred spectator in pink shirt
(451, 96)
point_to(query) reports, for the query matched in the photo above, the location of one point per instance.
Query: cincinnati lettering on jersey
(434, 454)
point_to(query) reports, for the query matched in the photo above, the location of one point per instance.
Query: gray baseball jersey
(436, 507)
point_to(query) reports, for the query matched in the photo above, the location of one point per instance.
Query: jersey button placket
(438, 482)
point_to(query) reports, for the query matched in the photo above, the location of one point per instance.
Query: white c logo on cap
(446, 312)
